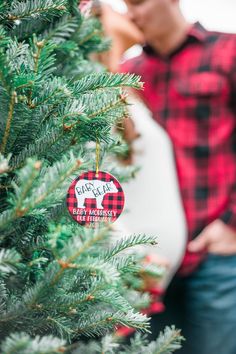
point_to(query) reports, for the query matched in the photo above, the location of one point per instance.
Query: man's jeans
(204, 306)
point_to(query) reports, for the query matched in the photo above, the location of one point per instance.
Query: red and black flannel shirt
(192, 95)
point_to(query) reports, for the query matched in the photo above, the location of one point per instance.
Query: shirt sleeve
(229, 216)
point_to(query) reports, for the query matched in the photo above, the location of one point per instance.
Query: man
(190, 88)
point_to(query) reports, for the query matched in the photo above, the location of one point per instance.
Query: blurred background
(154, 145)
(218, 15)
(213, 14)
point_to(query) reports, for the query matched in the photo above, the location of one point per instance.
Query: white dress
(153, 204)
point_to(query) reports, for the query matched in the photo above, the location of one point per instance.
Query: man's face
(150, 16)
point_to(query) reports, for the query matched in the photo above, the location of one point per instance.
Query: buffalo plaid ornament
(95, 197)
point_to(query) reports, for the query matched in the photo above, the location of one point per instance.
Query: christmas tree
(61, 282)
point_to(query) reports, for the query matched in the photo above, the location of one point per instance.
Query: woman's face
(152, 17)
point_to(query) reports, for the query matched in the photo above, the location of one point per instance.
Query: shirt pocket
(201, 100)
(204, 84)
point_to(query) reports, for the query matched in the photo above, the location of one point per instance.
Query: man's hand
(217, 238)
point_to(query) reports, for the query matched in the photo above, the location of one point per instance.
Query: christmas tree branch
(31, 172)
(56, 90)
(36, 149)
(129, 242)
(66, 27)
(22, 343)
(24, 199)
(9, 120)
(9, 260)
(4, 75)
(21, 10)
(48, 190)
(105, 80)
(36, 56)
(95, 324)
(87, 244)
(110, 106)
(96, 32)
(66, 264)
(168, 341)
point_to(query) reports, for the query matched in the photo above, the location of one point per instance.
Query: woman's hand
(217, 238)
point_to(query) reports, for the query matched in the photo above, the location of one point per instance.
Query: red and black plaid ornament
(95, 197)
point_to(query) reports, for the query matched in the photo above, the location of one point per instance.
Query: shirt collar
(196, 33)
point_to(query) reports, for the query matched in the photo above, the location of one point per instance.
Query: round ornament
(95, 197)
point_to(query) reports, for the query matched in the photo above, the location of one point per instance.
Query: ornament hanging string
(97, 156)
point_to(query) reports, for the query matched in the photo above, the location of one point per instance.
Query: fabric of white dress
(152, 200)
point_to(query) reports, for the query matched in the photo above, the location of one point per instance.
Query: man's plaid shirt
(192, 94)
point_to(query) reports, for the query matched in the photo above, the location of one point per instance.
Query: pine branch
(29, 301)
(38, 148)
(129, 242)
(26, 179)
(59, 239)
(103, 110)
(18, 308)
(22, 344)
(8, 123)
(102, 81)
(108, 345)
(106, 104)
(44, 57)
(24, 200)
(98, 324)
(23, 29)
(4, 39)
(167, 342)
(4, 164)
(138, 345)
(9, 260)
(17, 54)
(96, 237)
(6, 217)
(154, 270)
(49, 183)
(13, 72)
(138, 300)
(33, 8)
(89, 35)
(71, 114)
(93, 266)
(3, 296)
(52, 91)
(62, 279)
(73, 8)
(127, 264)
(60, 325)
(64, 29)
(43, 64)
(113, 298)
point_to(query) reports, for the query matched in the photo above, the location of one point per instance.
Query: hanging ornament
(94, 198)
